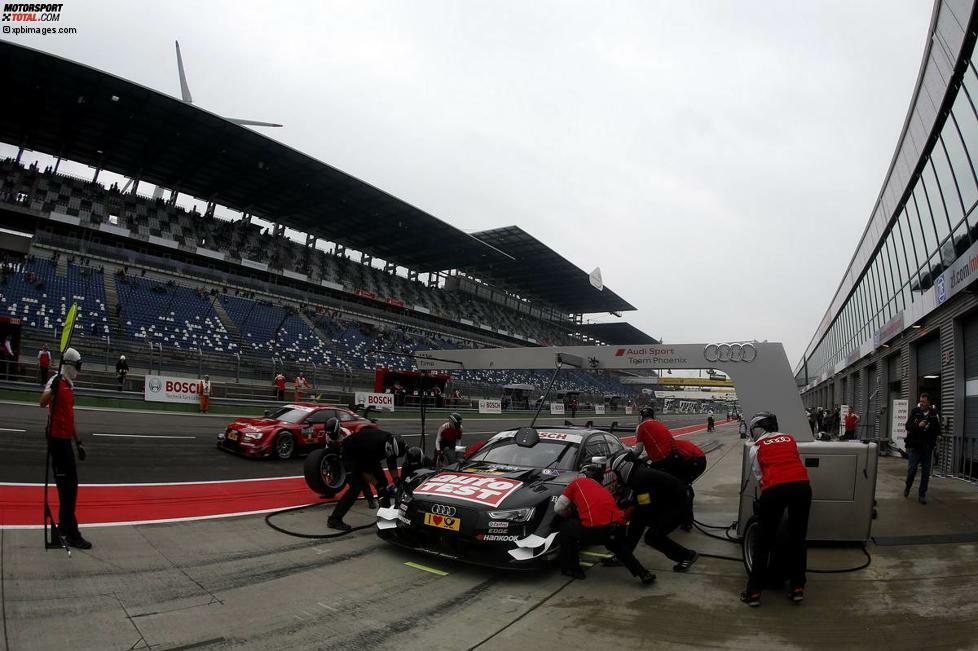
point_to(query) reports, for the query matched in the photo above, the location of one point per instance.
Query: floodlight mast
(759, 370)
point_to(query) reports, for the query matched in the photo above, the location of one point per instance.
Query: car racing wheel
(324, 472)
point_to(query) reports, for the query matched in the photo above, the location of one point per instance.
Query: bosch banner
(160, 388)
(598, 410)
(384, 401)
(556, 409)
(490, 407)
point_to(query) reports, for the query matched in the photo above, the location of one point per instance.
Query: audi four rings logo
(441, 509)
(730, 353)
(155, 385)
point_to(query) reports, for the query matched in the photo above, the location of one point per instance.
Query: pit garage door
(969, 333)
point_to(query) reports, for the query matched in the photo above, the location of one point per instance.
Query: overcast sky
(717, 160)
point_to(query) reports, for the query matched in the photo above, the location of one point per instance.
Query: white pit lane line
(9, 429)
(143, 436)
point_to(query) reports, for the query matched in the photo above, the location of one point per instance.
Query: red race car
(287, 430)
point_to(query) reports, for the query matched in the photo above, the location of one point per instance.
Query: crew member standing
(661, 503)
(781, 473)
(362, 454)
(204, 393)
(59, 397)
(591, 517)
(692, 464)
(449, 436)
(44, 363)
(300, 385)
(121, 371)
(335, 435)
(923, 428)
(849, 423)
(280, 387)
(655, 439)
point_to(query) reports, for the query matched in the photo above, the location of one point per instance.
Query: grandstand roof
(538, 271)
(616, 333)
(67, 109)
(64, 108)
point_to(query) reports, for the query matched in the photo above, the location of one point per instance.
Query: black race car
(496, 507)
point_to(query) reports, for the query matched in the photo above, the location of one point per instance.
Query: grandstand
(323, 272)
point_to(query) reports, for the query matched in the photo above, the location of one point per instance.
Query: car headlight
(254, 435)
(513, 515)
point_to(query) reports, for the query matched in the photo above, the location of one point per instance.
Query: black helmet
(333, 429)
(762, 423)
(648, 411)
(455, 420)
(594, 471)
(622, 464)
(414, 455)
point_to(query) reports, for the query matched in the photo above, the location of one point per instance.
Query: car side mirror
(373, 420)
(268, 412)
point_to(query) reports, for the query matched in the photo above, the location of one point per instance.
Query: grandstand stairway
(231, 327)
(62, 268)
(112, 306)
(326, 339)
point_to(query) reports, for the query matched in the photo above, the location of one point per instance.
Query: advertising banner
(843, 412)
(629, 409)
(490, 407)
(900, 413)
(556, 409)
(383, 401)
(161, 388)
(598, 410)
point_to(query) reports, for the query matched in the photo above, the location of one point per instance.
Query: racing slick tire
(324, 472)
(284, 445)
(777, 573)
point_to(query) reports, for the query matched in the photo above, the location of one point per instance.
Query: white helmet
(71, 363)
(122, 358)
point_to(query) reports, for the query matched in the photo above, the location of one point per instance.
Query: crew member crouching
(781, 473)
(660, 504)
(591, 517)
(449, 436)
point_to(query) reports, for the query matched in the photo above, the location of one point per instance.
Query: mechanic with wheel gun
(362, 454)
(449, 435)
(59, 397)
(681, 459)
(777, 465)
(591, 517)
(335, 435)
(659, 503)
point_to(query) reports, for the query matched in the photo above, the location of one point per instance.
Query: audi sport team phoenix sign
(487, 491)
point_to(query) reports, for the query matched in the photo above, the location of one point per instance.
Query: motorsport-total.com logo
(31, 13)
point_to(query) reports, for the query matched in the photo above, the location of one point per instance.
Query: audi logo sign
(442, 509)
(730, 353)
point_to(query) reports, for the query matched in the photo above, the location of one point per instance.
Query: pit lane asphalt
(123, 459)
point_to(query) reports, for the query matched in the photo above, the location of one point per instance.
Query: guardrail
(957, 457)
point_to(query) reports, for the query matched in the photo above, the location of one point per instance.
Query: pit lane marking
(8, 429)
(145, 436)
(425, 568)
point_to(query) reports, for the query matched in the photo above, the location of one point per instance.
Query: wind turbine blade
(184, 88)
(252, 123)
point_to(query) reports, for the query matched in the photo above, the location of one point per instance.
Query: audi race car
(496, 507)
(283, 432)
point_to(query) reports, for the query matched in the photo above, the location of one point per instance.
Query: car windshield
(289, 414)
(545, 454)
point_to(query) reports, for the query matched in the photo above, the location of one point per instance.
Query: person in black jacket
(362, 453)
(661, 503)
(923, 427)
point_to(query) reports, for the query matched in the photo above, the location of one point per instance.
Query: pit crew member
(362, 454)
(204, 393)
(660, 503)
(335, 434)
(591, 517)
(59, 397)
(692, 464)
(781, 473)
(449, 435)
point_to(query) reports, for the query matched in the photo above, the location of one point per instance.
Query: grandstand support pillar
(311, 240)
(209, 212)
(278, 229)
(390, 268)
(57, 164)
(95, 178)
(20, 152)
(366, 260)
(412, 275)
(246, 218)
(135, 186)
(339, 250)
